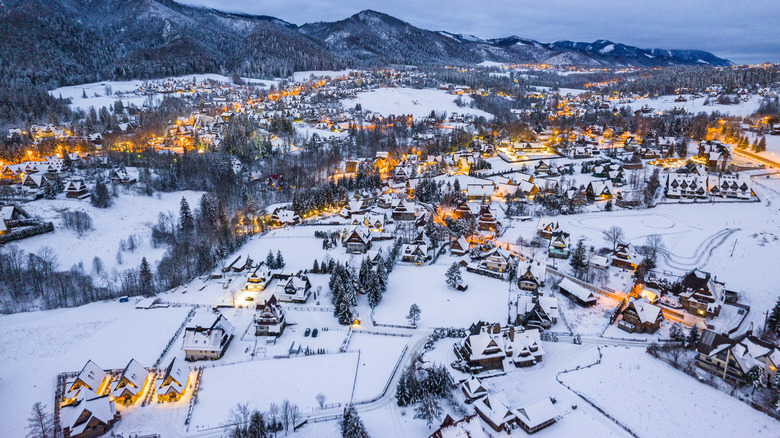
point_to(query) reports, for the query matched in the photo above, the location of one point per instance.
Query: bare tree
(613, 235)
(273, 416)
(239, 415)
(321, 399)
(40, 424)
(286, 405)
(295, 415)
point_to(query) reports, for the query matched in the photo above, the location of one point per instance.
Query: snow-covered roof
(494, 408)
(536, 413)
(176, 374)
(576, 290)
(92, 375)
(132, 379)
(100, 408)
(206, 331)
(646, 311)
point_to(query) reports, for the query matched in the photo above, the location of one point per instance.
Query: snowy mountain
(59, 42)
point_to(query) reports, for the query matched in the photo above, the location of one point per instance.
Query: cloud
(743, 32)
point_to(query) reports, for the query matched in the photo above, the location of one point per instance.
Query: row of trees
(424, 386)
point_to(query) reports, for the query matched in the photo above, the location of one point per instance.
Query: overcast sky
(744, 32)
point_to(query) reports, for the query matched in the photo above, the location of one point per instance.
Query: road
(755, 157)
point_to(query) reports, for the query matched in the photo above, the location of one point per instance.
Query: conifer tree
(279, 260)
(350, 424)
(186, 221)
(693, 337)
(428, 409)
(578, 262)
(145, 278)
(270, 261)
(773, 319)
(454, 276)
(373, 289)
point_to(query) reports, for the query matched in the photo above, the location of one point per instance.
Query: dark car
(306, 333)
(314, 333)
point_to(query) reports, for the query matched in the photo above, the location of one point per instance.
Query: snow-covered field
(35, 347)
(418, 103)
(696, 106)
(263, 382)
(111, 225)
(654, 399)
(300, 76)
(486, 298)
(126, 91)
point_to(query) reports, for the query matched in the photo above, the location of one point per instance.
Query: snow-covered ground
(654, 399)
(696, 106)
(418, 103)
(300, 76)
(126, 91)
(35, 347)
(111, 225)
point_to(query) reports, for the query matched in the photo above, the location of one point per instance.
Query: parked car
(314, 333)
(306, 333)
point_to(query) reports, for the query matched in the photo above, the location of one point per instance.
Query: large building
(207, 337)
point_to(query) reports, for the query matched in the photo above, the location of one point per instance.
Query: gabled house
(536, 312)
(487, 220)
(702, 294)
(414, 253)
(498, 260)
(483, 350)
(353, 208)
(207, 336)
(624, 257)
(76, 188)
(467, 427)
(270, 318)
(536, 416)
(641, 316)
(546, 227)
(91, 378)
(404, 211)
(35, 181)
(688, 186)
(479, 192)
(600, 190)
(130, 385)
(283, 216)
(532, 278)
(459, 246)
(174, 381)
(357, 239)
(729, 185)
(467, 209)
(88, 418)
(560, 244)
(495, 411)
(732, 359)
(472, 388)
(292, 288)
(577, 293)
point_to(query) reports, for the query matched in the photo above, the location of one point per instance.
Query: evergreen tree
(145, 279)
(100, 196)
(454, 277)
(279, 260)
(428, 409)
(577, 261)
(270, 260)
(773, 319)
(414, 314)
(693, 337)
(350, 424)
(373, 289)
(365, 268)
(761, 147)
(381, 277)
(186, 221)
(676, 333)
(316, 267)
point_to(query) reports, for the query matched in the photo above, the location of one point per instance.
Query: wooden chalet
(174, 381)
(91, 379)
(472, 388)
(270, 318)
(130, 385)
(467, 427)
(283, 216)
(624, 257)
(702, 294)
(640, 316)
(88, 418)
(207, 337)
(357, 240)
(536, 416)
(76, 188)
(577, 293)
(559, 247)
(459, 246)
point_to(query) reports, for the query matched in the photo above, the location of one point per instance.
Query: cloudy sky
(744, 32)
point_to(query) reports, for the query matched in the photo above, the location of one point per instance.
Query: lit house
(459, 246)
(536, 311)
(292, 288)
(489, 347)
(532, 278)
(358, 239)
(88, 418)
(75, 188)
(641, 316)
(207, 337)
(174, 381)
(547, 227)
(688, 186)
(730, 185)
(624, 257)
(702, 294)
(131, 384)
(414, 253)
(92, 378)
(559, 245)
(283, 216)
(733, 359)
(269, 318)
